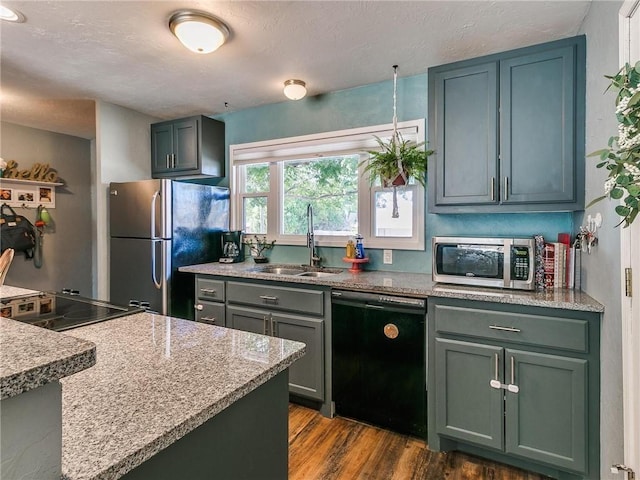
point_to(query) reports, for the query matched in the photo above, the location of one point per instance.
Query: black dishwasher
(379, 365)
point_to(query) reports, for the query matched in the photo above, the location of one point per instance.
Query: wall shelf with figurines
(30, 187)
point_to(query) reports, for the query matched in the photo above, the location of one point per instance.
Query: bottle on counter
(351, 249)
(359, 247)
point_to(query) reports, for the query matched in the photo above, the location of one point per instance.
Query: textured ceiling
(70, 53)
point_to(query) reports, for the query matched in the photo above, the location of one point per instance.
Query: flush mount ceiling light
(198, 31)
(10, 15)
(295, 89)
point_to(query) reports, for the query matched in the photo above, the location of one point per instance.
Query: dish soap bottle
(359, 247)
(351, 249)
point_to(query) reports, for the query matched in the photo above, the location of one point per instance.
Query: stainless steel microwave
(487, 262)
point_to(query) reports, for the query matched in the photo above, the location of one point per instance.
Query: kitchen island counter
(409, 284)
(157, 380)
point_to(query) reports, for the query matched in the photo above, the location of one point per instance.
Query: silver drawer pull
(269, 298)
(208, 291)
(504, 329)
(208, 319)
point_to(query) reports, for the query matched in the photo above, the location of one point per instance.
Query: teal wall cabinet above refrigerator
(190, 148)
(508, 131)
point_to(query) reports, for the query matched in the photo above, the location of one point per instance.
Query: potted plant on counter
(257, 246)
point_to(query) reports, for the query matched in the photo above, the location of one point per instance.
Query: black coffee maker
(232, 247)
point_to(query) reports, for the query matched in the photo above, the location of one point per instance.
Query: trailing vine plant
(622, 157)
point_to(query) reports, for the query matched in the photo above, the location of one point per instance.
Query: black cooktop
(61, 311)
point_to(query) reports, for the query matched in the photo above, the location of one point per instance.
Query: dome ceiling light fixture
(11, 15)
(295, 89)
(200, 32)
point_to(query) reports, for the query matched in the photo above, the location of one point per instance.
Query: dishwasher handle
(373, 300)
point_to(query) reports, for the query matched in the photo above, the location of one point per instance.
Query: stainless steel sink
(315, 274)
(296, 271)
(281, 270)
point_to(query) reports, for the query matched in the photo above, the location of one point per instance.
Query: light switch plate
(387, 257)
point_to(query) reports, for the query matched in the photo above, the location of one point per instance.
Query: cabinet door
(537, 137)
(466, 129)
(467, 406)
(306, 376)
(210, 312)
(546, 420)
(185, 145)
(248, 320)
(161, 148)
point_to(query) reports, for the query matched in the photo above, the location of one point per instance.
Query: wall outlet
(387, 257)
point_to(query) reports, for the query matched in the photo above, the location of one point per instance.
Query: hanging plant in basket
(398, 160)
(622, 157)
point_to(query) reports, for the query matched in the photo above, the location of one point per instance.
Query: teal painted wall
(373, 105)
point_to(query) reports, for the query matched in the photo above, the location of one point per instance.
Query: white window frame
(343, 142)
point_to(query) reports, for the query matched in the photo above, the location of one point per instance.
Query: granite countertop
(31, 357)
(157, 378)
(9, 291)
(409, 284)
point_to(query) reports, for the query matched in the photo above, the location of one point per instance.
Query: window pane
(330, 185)
(386, 225)
(254, 214)
(256, 178)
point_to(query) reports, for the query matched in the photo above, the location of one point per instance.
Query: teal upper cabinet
(508, 131)
(189, 148)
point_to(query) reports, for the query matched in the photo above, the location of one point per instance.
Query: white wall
(122, 154)
(601, 269)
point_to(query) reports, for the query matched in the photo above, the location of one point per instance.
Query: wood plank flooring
(342, 449)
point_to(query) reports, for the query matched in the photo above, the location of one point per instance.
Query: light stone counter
(31, 357)
(157, 378)
(9, 291)
(410, 284)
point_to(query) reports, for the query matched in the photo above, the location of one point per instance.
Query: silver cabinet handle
(208, 319)
(512, 387)
(492, 187)
(173, 160)
(504, 329)
(210, 292)
(274, 324)
(264, 325)
(269, 298)
(167, 160)
(495, 383)
(506, 188)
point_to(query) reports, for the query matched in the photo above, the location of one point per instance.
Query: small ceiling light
(10, 15)
(198, 31)
(295, 89)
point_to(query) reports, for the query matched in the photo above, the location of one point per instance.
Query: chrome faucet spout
(314, 260)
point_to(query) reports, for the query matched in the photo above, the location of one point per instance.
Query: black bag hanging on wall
(16, 232)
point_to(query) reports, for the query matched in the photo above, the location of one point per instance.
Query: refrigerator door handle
(154, 199)
(153, 265)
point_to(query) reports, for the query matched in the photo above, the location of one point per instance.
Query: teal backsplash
(373, 105)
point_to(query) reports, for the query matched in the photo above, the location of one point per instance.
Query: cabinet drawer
(275, 297)
(211, 313)
(541, 330)
(209, 289)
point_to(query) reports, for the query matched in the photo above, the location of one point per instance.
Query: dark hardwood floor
(342, 449)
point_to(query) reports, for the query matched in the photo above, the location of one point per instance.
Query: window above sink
(272, 183)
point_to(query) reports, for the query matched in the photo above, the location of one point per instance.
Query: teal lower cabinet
(515, 384)
(305, 375)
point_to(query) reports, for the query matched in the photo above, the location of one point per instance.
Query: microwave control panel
(520, 263)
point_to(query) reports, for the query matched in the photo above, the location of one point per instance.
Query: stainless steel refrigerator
(157, 226)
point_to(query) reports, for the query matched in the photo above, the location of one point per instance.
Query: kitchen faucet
(314, 259)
